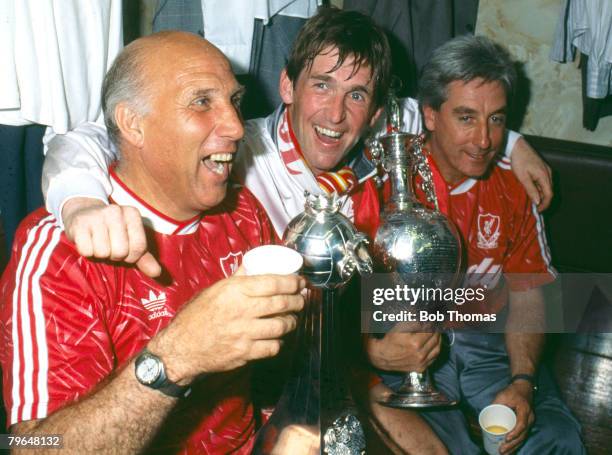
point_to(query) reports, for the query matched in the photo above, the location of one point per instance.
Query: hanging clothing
(586, 26)
(21, 155)
(257, 43)
(58, 54)
(416, 28)
(593, 108)
(228, 24)
(272, 44)
(53, 59)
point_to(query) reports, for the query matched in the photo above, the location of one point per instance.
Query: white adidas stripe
(40, 326)
(15, 318)
(544, 249)
(23, 338)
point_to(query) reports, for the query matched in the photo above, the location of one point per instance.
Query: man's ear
(376, 115)
(129, 123)
(429, 117)
(285, 88)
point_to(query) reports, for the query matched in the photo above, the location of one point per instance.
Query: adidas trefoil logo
(156, 305)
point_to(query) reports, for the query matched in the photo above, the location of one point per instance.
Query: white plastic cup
(495, 415)
(272, 259)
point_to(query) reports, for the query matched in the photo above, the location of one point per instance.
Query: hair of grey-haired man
(125, 81)
(465, 58)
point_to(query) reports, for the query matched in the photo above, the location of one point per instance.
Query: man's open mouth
(217, 162)
(327, 132)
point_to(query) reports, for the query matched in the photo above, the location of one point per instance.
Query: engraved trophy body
(315, 413)
(417, 245)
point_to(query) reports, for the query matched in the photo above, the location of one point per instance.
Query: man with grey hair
(464, 93)
(111, 359)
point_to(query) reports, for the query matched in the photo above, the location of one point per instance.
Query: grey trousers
(477, 368)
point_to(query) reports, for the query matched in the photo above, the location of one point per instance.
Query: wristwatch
(525, 377)
(150, 371)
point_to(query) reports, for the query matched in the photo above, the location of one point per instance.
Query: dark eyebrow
(325, 78)
(463, 110)
(321, 77)
(469, 110)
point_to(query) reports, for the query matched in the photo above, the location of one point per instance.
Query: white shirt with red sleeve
(67, 323)
(501, 230)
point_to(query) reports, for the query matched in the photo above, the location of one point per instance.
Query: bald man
(109, 358)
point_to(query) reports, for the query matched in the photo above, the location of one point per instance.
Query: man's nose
(230, 124)
(336, 110)
(483, 136)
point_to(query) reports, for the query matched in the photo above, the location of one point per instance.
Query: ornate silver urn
(412, 239)
(315, 413)
(416, 245)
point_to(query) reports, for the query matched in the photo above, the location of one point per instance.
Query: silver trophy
(416, 245)
(315, 413)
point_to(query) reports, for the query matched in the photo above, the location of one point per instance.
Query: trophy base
(417, 400)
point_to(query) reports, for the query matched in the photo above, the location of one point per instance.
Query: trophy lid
(316, 203)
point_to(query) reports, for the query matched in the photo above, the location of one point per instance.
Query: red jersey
(66, 322)
(502, 232)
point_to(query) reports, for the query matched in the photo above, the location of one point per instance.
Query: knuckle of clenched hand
(118, 254)
(86, 252)
(101, 252)
(113, 211)
(130, 211)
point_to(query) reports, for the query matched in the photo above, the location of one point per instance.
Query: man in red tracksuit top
(464, 94)
(501, 231)
(110, 358)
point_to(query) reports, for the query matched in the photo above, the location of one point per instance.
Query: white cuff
(80, 186)
(511, 139)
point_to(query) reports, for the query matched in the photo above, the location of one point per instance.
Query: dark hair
(353, 35)
(465, 58)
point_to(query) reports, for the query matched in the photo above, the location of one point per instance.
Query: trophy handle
(356, 257)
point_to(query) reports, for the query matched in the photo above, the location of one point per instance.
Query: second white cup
(272, 259)
(496, 421)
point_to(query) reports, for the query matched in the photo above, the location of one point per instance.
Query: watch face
(148, 370)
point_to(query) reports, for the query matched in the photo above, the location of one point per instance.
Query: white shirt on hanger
(236, 41)
(55, 58)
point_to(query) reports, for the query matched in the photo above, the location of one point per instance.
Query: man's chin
(212, 198)
(481, 173)
(326, 165)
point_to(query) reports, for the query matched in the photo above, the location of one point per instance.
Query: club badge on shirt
(230, 263)
(488, 231)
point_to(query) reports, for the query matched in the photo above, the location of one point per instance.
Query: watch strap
(172, 389)
(525, 377)
(162, 383)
